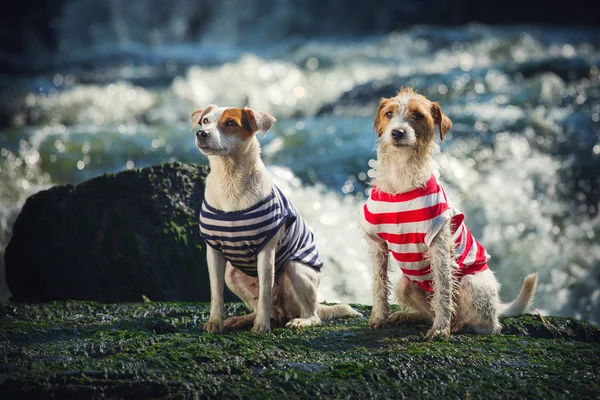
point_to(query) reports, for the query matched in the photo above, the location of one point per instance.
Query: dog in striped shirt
(446, 280)
(258, 244)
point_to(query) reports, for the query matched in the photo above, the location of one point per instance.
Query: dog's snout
(398, 133)
(202, 134)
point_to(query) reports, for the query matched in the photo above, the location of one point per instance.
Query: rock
(116, 237)
(158, 350)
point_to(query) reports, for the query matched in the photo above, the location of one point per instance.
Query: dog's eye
(231, 123)
(205, 121)
(417, 115)
(389, 114)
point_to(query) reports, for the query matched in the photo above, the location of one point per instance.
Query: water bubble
(24, 184)
(312, 63)
(3, 152)
(87, 159)
(372, 163)
(556, 230)
(595, 117)
(155, 143)
(58, 80)
(80, 165)
(85, 148)
(111, 89)
(338, 142)
(568, 51)
(130, 164)
(300, 125)
(299, 92)
(168, 149)
(442, 89)
(479, 88)
(52, 158)
(421, 44)
(362, 176)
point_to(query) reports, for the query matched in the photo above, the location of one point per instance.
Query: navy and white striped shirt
(241, 235)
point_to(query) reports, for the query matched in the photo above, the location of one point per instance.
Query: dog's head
(223, 130)
(406, 123)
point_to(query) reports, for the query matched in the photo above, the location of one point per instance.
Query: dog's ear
(198, 114)
(259, 121)
(441, 120)
(378, 117)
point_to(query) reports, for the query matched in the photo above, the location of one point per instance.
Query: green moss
(158, 350)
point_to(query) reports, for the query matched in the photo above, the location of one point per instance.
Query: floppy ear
(259, 121)
(377, 120)
(198, 114)
(441, 120)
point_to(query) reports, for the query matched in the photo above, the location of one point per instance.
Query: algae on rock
(116, 237)
(158, 350)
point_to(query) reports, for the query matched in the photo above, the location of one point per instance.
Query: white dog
(446, 279)
(257, 241)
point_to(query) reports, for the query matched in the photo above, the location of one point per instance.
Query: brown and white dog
(239, 184)
(445, 279)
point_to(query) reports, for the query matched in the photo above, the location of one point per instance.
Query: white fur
(238, 179)
(471, 304)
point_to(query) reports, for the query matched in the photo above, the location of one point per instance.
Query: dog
(446, 280)
(258, 244)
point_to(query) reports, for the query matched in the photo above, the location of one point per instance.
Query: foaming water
(521, 160)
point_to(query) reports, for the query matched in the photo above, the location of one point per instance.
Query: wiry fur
(237, 180)
(404, 164)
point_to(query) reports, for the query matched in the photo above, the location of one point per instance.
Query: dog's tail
(523, 300)
(326, 312)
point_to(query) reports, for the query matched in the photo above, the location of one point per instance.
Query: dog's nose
(398, 134)
(202, 134)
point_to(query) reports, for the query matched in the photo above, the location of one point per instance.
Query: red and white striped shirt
(408, 222)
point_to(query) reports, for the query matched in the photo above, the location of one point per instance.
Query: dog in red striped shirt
(446, 280)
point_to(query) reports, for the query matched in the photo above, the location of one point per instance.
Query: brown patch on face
(382, 118)
(234, 121)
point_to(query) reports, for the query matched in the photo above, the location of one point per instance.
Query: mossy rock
(158, 350)
(116, 237)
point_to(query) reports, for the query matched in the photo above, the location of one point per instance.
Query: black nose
(398, 133)
(202, 134)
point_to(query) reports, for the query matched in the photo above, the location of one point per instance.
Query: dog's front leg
(266, 277)
(216, 273)
(441, 257)
(381, 287)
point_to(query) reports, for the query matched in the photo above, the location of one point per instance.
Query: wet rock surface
(117, 237)
(158, 350)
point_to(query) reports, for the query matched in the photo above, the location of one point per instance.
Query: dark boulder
(116, 237)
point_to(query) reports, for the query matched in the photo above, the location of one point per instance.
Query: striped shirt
(408, 222)
(241, 235)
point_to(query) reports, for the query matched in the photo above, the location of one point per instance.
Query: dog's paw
(239, 322)
(404, 318)
(377, 322)
(214, 326)
(298, 323)
(434, 332)
(261, 326)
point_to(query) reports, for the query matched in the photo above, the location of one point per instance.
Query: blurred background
(88, 87)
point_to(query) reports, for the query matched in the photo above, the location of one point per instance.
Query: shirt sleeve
(437, 223)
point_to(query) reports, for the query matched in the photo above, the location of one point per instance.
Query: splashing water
(521, 160)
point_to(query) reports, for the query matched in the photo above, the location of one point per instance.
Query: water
(521, 161)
